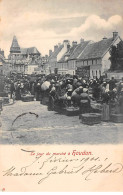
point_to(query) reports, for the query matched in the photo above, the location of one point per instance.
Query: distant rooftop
(30, 50)
(97, 49)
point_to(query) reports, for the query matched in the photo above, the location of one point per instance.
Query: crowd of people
(72, 91)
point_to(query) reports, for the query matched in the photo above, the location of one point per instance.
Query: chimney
(50, 52)
(65, 43)
(55, 47)
(104, 38)
(59, 44)
(74, 43)
(115, 34)
(81, 40)
(68, 46)
(2, 52)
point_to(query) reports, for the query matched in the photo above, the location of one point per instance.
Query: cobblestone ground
(52, 128)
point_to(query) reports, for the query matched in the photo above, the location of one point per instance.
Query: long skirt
(84, 107)
(105, 112)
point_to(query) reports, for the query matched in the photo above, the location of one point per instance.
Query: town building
(88, 59)
(62, 64)
(56, 55)
(2, 62)
(94, 61)
(23, 60)
(67, 64)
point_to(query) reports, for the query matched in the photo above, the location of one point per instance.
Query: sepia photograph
(61, 85)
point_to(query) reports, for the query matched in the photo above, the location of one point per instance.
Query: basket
(27, 98)
(72, 111)
(90, 118)
(116, 118)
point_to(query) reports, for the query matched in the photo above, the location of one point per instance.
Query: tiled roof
(23, 50)
(96, 50)
(56, 52)
(78, 50)
(68, 53)
(30, 50)
(2, 57)
(15, 46)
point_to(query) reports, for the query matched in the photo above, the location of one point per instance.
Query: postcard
(61, 96)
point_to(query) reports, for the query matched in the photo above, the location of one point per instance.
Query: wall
(72, 67)
(62, 68)
(95, 71)
(62, 52)
(106, 63)
(116, 75)
(7, 68)
(31, 69)
(95, 66)
(1, 69)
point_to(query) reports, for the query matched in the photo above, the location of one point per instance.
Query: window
(100, 72)
(96, 72)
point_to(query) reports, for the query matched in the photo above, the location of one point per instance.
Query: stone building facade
(23, 59)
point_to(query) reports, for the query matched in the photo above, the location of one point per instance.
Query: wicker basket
(5, 100)
(91, 118)
(72, 111)
(27, 98)
(116, 118)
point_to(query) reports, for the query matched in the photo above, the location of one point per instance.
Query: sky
(45, 23)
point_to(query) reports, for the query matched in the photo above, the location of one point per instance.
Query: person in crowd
(112, 84)
(37, 91)
(12, 89)
(120, 86)
(121, 102)
(105, 100)
(84, 101)
(96, 90)
(18, 92)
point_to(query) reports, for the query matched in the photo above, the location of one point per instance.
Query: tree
(116, 57)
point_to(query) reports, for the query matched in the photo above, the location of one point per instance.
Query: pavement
(32, 123)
